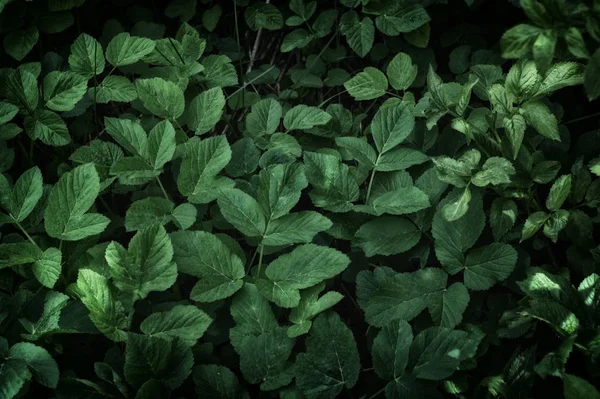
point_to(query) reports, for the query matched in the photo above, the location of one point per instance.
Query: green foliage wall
(343, 198)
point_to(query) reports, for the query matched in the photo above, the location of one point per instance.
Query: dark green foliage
(299, 199)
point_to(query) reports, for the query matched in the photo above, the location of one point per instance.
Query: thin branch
(255, 47)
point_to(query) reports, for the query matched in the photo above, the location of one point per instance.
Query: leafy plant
(301, 199)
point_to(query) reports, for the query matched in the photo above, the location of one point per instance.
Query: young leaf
(369, 84)
(339, 363)
(305, 266)
(205, 256)
(202, 162)
(106, 312)
(69, 200)
(391, 126)
(205, 110)
(48, 267)
(541, 119)
(387, 235)
(146, 266)
(264, 117)
(87, 56)
(401, 72)
(63, 90)
(559, 192)
(25, 194)
(186, 322)
(43, 367)
(359, 34)
(161, 97)
(125, 49)
(303, 117)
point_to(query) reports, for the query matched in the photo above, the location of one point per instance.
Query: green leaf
(125, 49)
(401, 296)
(303, 117)
(359, 34)
(534, 222)
(114, 88)
(310, 305)
(48, 321)
(324, 370)
(211, 17)
(488, 265)
(13, 375)
(146, 266)
(523, 80)
(503, 216)
(541, 119)
(543, 49)
(561, 74)
(591, 81)
(391, 126)
(447, 307)
(63, 90)
(219, 72)
(148, 211)
(298, 38)
(263, 16)
(280, 188)
(387, 235)
(69, 200)
(495, 171)
(369, 84)
(129, 134)
(47, 269)
(23, 89)
(305, 266)
(402, 17)
(87, 56)
(334, 188)
(454, 238)
(399, 159)
(359, 149)
(13, 254)
(216, 382)
(264, 117)
(161, 144)
(518, 40)
(205, 110)
(43, 368)
(295, 228)
(202, 162)
(556, 223)
(437, 352)
(7, 112)
(578, 388)
(162, 98)
(203, 255)
(106, 312)
(391, 348)
(401, 71)
(186, 322)
(457, 208)
(559, 192)
(242, 211)
(252, 313)
(244, 158)
(48, 127)
(19, 43)
(545, 171)
(397, 202)
(515, 131)
(25, 194)
(155, 358)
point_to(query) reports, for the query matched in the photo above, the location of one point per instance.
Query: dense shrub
(299, 199)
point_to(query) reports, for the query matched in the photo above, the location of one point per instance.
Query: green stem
(582, 118)
(162, 188)
(370, 186)
(26, 234)
(331, 98)
(178, 125)
(260, 259)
